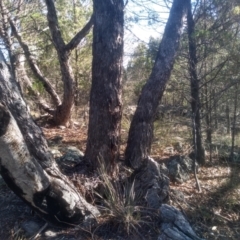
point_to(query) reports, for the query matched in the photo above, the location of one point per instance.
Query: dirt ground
(214, 213)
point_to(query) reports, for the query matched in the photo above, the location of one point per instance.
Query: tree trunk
(228, 119)
(234, 123)
(27, 165)
(195, 99)
(61, 111)
(141, 129)
(105, 97)
(208, 118)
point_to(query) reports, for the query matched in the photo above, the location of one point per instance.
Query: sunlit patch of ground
(215, 212)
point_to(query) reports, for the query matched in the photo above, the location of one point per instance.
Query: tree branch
(80, 35)
(53, 25)
(46, 83)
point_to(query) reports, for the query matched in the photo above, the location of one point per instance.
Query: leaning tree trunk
(27, 165)
(141, 129)
(195, 99)
(105, 98)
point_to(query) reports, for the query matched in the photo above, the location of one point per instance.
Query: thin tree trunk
(228, 119)
(195, 99)
(106, 91)
(141, 129)
(26, 84)
(33, 66)
(208, 118)
(26, 164)
(215, 110)
(195, 155)
(234, 122)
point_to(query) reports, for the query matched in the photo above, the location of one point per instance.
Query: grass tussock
(120, 202)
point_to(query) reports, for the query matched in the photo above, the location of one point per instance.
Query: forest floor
(213, 213)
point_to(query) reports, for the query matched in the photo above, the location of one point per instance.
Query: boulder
(71, 158)
(180, 168)
(151, 183)
(174, 226)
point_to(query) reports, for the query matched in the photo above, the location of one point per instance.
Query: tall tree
(141, 129)
(105, 97)
(195, 99)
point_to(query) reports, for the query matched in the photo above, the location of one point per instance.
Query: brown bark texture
(26, 164)
(141, 129)
(105, 97)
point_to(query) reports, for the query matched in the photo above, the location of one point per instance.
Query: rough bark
(141, 129)
(194, 82)
(105, 98)
(27, 165)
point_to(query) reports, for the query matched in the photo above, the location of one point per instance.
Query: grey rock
(174, 226)
(72, 154)
(163, 169)
(151, 183)
(180, 168)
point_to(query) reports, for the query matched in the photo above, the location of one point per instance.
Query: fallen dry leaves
(214, 213)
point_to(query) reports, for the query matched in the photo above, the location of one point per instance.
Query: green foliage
(35, 32)
(119, 201)
(38, 86)
(141, 63)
